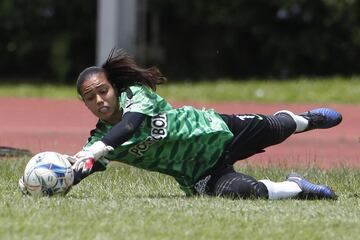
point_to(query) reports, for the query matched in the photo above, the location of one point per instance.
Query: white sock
(281, 190)
(301, 122)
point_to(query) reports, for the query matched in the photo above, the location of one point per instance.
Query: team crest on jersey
(158, 132)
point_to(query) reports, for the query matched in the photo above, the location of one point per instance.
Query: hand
(84, 161)
(99, 149)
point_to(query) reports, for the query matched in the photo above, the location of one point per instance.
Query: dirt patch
(64, 125)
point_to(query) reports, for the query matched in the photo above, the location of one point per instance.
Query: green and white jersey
(182, 142)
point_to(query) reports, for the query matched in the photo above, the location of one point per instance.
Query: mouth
(103, 109)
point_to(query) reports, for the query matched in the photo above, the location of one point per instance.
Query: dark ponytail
(122, 71)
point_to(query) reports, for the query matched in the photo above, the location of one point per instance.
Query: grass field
(128, 203)
(338, 89)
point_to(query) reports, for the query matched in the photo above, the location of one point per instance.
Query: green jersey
(182, 142)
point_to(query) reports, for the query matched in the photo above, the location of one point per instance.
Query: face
(100, 98)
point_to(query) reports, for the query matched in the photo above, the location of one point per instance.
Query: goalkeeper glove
(85, 159)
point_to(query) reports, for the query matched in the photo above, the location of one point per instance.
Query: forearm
(119, 134)
(124, 130)
(87, 160)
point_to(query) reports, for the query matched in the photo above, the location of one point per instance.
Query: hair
(122, 71)
(86, 74)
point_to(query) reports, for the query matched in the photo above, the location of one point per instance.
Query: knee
(236, 185)
(283, 124)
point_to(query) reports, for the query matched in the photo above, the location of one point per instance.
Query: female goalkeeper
(197, 147)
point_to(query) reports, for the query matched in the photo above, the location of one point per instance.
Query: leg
(254, 132)
(320, 118)
(238, 185)
(224, 181)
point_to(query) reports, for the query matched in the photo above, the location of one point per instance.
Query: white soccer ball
(47, 174)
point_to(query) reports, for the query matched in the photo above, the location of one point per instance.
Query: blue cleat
(311, 190)
(322, 118)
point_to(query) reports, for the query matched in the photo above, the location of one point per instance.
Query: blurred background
(202, 39)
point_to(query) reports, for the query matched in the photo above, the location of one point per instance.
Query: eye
(89, 97)
(103, 90)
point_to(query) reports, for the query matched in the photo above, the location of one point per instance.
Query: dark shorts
(252, 134)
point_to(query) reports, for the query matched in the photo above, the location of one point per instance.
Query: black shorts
(252, 134)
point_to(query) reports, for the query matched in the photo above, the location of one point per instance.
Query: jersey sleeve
(140, 99)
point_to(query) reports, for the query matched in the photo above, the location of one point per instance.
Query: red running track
(64, 125)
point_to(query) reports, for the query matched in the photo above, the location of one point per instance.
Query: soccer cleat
(322, 118)
(311, 190)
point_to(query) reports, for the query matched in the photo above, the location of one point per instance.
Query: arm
(120, 133)
(124, 130)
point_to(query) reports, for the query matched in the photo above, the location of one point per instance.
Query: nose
(99, 99)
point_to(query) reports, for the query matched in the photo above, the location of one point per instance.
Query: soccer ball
(47, 174)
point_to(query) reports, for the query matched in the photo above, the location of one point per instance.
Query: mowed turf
(305, 90)
(128, 203)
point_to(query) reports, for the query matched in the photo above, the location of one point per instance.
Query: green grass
(24, 90)
(316, 90)
(128, 203)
